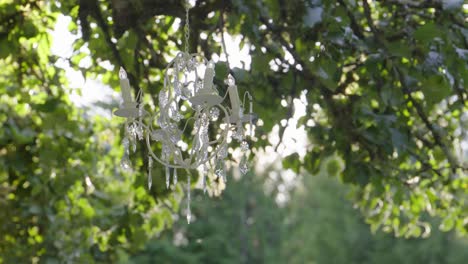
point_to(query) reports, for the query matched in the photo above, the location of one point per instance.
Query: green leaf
(400, 49)
(260, 62)
(222, 71)
(334, 167)
(447, 224)
(4, 48)
(427, 32)
(29, 29)
(435, 89)
(292, 162)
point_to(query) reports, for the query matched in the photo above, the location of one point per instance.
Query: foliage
(385, 82)
(322, 227)
(317, 225)
(61, 197)
(244, 225)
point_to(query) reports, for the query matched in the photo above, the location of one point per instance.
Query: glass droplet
(238, 135)
(133, 143)
(223, 151)
(125, 162)
(244, 146)
(191, 65)
(150, 180)
(220, 170)
(163, 99)
(175, 177)
(168, 177)
(243, 167)
(189, 213)
(177, 90)
(126, 145)
(214, 113)
(150, 177)
(139, 131)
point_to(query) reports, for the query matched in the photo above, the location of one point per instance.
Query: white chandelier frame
(188, 86)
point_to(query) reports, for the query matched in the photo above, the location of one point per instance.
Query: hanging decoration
(194, 124)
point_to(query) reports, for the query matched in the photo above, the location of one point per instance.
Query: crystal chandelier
(194, 124)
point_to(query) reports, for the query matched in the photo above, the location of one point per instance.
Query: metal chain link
(187, 26)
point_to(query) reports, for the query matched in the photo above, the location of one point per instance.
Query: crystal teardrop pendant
(220, 170)
(175, 177)
(168, 177)
(189, 212)
(244, 146)
(243, 167)
(125, 162)
(150, 178)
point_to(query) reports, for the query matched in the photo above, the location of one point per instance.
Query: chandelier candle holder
(193, 125)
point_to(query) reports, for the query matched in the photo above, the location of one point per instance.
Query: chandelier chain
(187, 27)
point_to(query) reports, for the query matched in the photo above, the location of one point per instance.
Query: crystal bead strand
(243, 167)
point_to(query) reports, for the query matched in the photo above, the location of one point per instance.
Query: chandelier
(194, 124)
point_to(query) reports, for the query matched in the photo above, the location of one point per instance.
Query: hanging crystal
(177, 90)
(220, 170)
(163, 99)
(125, 162)
(189, 213)
(244, 146)
(243, 167)
(174, 113)
(150, 177)
(139, 131)
(133, 142)
(131, 133)
(239, 133)
(223, 152)
(188, 101)
(214, 113)
(175, 177)
(191, 64)
(168, 177)
(125, 144)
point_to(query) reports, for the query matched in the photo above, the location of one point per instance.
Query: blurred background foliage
(384, 84)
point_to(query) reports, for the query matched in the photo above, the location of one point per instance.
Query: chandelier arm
(247, 93)
(194, 55)
(186, 123)
(150, 151)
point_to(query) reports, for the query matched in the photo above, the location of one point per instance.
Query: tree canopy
(384, 83)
